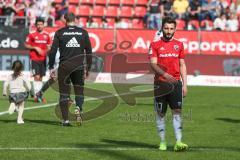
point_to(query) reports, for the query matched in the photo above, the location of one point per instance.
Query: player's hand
(169, 78)
(53, 73)
(39, 50)
(86, 74)
(184, 89)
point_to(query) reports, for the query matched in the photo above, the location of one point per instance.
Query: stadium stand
(136, 11)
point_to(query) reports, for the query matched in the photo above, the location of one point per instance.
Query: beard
(167, 36)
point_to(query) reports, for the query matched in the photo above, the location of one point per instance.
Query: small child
(18, 88)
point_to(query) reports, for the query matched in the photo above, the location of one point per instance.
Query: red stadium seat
(72, 8)
(84, 10)
(128, 2)
(58, 1)
(101, 2)
(89, 2)
(141, 2)
(126, 11)
(180, 24)
(137, 23)
(194, 24)
(73, 1)
(114, 2)
(98, 11)
(97, 20)
(112, 11)
(140, 11)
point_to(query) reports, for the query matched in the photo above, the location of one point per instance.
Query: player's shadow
(8, 120)
(117, 149)
(47, 122)
(124, 143)
(230, 120)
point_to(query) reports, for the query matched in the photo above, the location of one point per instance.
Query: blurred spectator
(122, 23)
(91, 23)
(42, 8)
(20, 8)
(180, 7)
(62, 8)
(60, 22)
(209, 9)
(154, 17)
(104, 23)
(31, 13)
(9, 10)
(235, 7)
(220, 23)
(232, 23)
(194, 10)
(167, 8)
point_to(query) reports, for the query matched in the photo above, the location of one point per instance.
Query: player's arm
(52, 54)
(27, 84)
(183, 72)
(53, 51)
(88, 51)
(159, 71)
(28, 44)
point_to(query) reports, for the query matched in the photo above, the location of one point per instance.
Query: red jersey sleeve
(29, 39)
(49, 40)
(181, 54)
(152, 50)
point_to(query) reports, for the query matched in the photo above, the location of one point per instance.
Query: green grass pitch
(211, 128)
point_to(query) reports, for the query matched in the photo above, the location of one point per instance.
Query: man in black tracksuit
(75, 48)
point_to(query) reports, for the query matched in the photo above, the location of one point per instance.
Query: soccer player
(167, 61)
(75, 47)
(18, 88)
(38, 42)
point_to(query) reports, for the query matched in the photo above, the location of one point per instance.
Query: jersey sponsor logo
(168, 55)
(176, 47)
(73, 43)
(72, 33)
(40, 41)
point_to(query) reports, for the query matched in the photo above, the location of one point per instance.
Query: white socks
(20, 108)
(161, 127)
(177, 125)
(37, 85)
(11, 108)
(20, 113)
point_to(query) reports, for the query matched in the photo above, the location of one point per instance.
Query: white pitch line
(87, 99)
(90, 99)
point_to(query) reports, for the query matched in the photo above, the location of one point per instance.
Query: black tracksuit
(75, 49)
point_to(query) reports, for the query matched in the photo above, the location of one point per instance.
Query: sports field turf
(211, 129)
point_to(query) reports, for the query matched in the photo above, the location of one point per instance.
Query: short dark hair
(69, 17)
(169, 20)
(39, 19)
